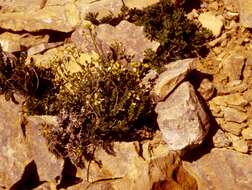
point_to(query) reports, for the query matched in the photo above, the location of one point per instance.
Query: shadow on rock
(68, 175)
(30, 178)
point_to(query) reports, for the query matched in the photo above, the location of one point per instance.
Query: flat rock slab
(182, 118)
(167, 81)
(60, 18)
(222, 169)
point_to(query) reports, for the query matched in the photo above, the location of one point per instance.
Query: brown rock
(230, 100)
(233, 65)
(232, 127)
(128, 168)
(175, 73)
(11, 42)
(239, 144)
(16, 151)
(59, 18)
(42, 47)
(182, 119)
(140, 4)
(245, 13)
(231, 114)
(247, 133)
(222, 169)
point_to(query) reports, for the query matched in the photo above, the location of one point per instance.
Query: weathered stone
(140, 4)
(231, 114)
(215, 109)
(245, 13)
(182, 118)
(247, 133)
(212, 22)
(103, 7)
(233, 65)
(231, 99)
(17, 151)
(11, 42)
(131, 36)
(154, 164)
(222, 169)
(168, 80)
(220, 140)
(42, 47)
(206, 89)
(239, 144)
(59, 18)
(233, 87)
(232, 127)
(248, 95)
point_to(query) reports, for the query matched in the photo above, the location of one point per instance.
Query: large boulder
(222, 169)
(182, 118)
(22, 148)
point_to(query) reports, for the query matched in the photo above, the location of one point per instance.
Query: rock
(212, 22)
(59, 18)
(133, 170)
(206, 89)
(248, 95)
(232, 127)
(233, 87)
(11, 42)
(239, 144)
(247, 133)
(16, 151)
(42, 47)
(233, 66)
(220, 140)
(175, 73)
(245, 13)
(140, 4)
(231, 114)
(103, 7)
(215, 109)
(231, 5)
(182, 118)
(222, 169)
(131, 36)
(230, 100)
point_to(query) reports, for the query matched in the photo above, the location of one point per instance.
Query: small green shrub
(102, 103)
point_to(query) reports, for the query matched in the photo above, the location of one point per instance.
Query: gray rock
(220, 140)
(182, 118)
(167, 81)
(222, 169)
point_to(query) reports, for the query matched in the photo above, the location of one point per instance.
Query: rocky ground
(204, 104)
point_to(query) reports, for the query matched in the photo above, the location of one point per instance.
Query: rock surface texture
(182, 118)
(222, 170)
